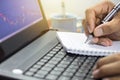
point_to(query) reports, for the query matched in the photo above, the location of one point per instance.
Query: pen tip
(86, 41)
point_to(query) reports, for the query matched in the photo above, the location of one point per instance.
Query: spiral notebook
(75, 43)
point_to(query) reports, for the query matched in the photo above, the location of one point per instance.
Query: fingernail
(105, 79)
(95, 73)
(99, 32)
(103, 43)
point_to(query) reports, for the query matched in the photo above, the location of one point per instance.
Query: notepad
(75, 43)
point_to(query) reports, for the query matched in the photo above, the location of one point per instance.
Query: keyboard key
(51, 77)
(64, 78)
(40, 63)
(61, 53)
(68, 74)
(58, 47)
(71, 70)
(55, 50)
(83, 70)
(33, 70)
(43, 60)
(53, 62)
(46, 68)
(47, 57)
(76, 63)
(49, 65)
(77, 78)
(39, 75)
(50, 55)
(65, 62)
(73, 67)
(62, 65)
(43, 72)
(56, 59)
(62, 50)
(59, 69)
(54, 72)
(59, 56)
(82, 75)
(80, 58)
(29, 73)
(68, 58)
(36, 66)
(52, 52)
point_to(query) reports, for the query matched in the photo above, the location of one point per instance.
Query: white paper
(75, 43)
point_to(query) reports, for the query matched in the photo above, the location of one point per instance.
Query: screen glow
(15, 15)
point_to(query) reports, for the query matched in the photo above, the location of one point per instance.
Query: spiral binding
(89, 52)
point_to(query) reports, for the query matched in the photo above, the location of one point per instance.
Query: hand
(108, 68)
(104, 33)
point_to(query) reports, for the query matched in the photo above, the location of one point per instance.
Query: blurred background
(77, 7)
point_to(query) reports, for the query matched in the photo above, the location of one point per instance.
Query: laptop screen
(17, 15)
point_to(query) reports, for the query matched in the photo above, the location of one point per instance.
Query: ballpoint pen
(106, 19)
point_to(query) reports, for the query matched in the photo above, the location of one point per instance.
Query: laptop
(29, 50)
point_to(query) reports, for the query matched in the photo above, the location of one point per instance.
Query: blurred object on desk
(69, 22)
(79, 26)
(63, 22)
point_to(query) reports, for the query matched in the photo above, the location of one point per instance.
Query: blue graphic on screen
(17, 14)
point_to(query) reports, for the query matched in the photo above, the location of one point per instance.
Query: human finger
(97, 12)
(110, 69)
(108, 28)
(117, 77)
(109, 59)
(84, 23)
(90, 19)
(104, 41)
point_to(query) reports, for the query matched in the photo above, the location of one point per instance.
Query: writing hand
(104, 33)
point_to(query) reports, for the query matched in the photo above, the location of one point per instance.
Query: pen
(106, 19)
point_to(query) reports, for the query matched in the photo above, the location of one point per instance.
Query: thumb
(106, 28)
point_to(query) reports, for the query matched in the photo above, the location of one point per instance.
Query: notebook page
(75, 43)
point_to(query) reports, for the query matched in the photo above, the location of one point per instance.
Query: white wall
(77, 7)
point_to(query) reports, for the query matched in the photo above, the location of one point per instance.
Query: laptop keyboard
(58, 65)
